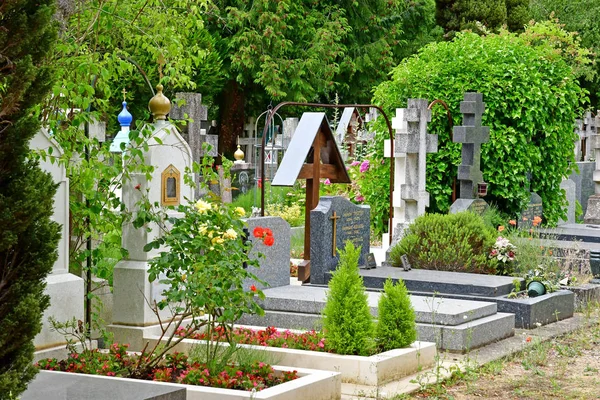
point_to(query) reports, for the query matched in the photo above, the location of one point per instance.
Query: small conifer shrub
(458, 242)
(348, 324)
(396, 326)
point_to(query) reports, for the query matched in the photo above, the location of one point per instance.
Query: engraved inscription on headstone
(332, 223)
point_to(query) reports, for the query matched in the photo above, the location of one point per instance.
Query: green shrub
(448, 242)
(530, 112)
(28, 237)
(348, 324)
(396, 326)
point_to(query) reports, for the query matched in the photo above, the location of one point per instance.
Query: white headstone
(66, 290)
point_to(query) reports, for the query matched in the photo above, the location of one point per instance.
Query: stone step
(455, 324)
(431, 310)
(470, 335)
(456, 338)
(421, 280)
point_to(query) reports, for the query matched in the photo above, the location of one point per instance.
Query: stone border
(311, 384)
(374, 370)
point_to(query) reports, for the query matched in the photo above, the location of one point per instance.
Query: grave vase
(535, 289)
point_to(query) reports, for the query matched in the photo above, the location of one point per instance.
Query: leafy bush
(396, 326)
(348, 324)
(293, 215)
(448, 242)
(530, 111)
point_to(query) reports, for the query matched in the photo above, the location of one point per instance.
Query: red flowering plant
(270, 336)
(174, 368)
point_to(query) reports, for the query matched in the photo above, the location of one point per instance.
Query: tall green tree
(458, 15)
(583, 17)
(28, 238)
(304, 50)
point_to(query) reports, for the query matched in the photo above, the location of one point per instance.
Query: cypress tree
(28, 238)
(347, 323)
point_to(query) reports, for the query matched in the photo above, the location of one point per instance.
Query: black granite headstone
(533, 209)
(334, 221)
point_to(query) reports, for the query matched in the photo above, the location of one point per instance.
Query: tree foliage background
(583, 17)
(28, 238)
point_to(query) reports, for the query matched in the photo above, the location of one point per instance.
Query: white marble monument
(66, 290)
(169, 155)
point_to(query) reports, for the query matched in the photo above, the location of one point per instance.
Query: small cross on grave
(334, 218)
(472, 135)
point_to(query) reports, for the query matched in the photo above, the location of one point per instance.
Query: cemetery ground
(556, 361)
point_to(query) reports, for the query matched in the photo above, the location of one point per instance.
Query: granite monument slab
(334, 221)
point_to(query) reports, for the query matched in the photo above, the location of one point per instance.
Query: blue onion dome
(125, 117)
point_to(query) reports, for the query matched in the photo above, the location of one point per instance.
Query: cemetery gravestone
(569, 187)
(592, 215)
(411, 145)
(275, 265)
(334, 221)
(313, 156)
(196, 136)
(66, 290)
(533, 209)
(472, 135)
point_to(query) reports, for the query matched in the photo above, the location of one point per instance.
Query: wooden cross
(334, 218)
(312, 155)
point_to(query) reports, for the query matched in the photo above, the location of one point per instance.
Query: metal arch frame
(273, 111)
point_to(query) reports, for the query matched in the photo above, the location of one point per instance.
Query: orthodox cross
(472, 135)
(312, 155)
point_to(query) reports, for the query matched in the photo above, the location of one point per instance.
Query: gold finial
(124, 94)
(159, 105)
(239, 155)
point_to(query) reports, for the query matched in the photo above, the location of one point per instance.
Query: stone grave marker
(275, 265)
(592, 214)
(570, 192)
(534, 209)
(196, 136)
(334, 221)
(66, 290)
(132, 290)
(411, 145)
(472, 135)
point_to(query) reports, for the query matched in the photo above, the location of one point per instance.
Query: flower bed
(372, 370)
(175, 368)
(270, 336)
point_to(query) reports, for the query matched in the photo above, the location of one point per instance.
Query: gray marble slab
(49, 385)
